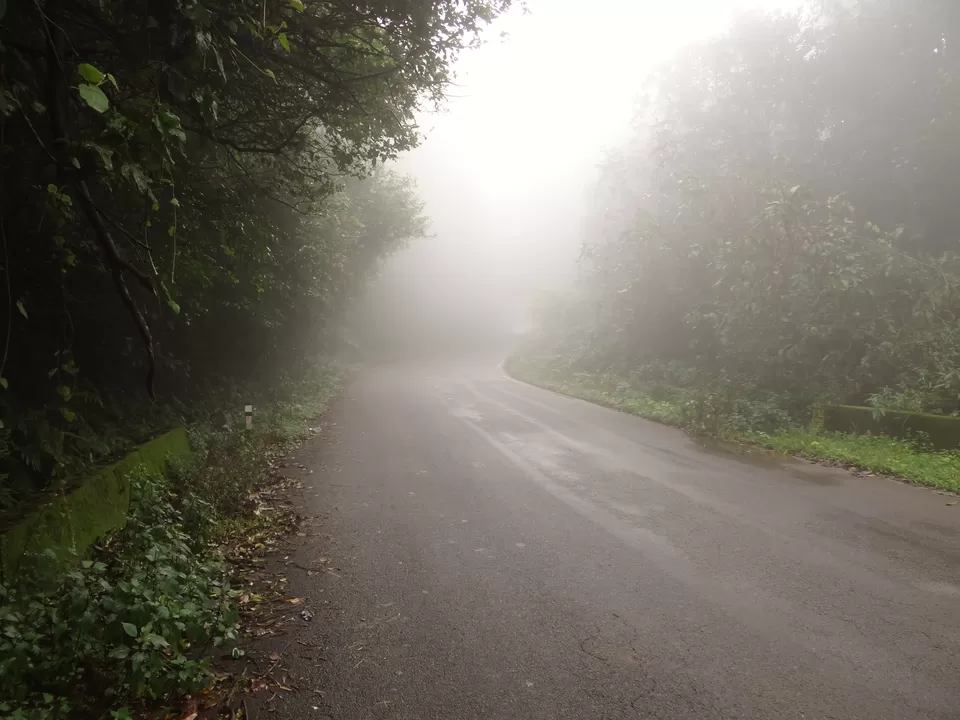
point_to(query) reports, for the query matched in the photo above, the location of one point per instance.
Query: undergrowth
(133, 621)
(731, 412)
(137, 619)
(40, 451)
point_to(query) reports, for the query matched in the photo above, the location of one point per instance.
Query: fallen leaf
(274, 655)
(953, 503)
(188, 711)
(258, 684)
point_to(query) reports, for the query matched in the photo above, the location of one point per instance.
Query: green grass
(874, 453)
(878, 454)
(662, 411)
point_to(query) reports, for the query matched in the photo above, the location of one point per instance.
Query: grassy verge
(873, 453)
(685, 409)
(136, 622)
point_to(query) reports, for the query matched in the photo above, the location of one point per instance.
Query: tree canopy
(194, 190)
(784, 213)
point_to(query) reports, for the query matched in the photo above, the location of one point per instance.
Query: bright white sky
(562, 83)
(505, 169)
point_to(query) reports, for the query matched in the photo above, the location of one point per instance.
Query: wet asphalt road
(486, 549)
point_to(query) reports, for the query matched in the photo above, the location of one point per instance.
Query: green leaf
(75, 163)
(89, 73)
(172, 230)
(22, 309)
(173, 306)
(94, 97)
(269, 73)
(3, 383)
(130, 629)
(8, 103)
(68, 414)
(133, 172)
(113, 81)
(158, 641)
(106, 156)
(296, 5)
(174, 202)
(284, 43)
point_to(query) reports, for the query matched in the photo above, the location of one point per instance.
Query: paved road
(486, 549)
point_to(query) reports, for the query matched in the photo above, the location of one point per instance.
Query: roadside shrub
(763, 413)
(704, 408)
(134, 621)
(902, 399)
(228, 460)
(670, 393)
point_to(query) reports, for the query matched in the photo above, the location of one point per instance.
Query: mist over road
(487, 549)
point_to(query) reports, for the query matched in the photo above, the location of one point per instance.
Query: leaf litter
(270, 522)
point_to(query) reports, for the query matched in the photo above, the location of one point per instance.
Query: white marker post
(248, 414)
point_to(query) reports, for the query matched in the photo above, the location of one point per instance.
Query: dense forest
(784, 220)
(192, 194)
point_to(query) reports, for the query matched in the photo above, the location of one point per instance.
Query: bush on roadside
(133, 621)
(672, 394)
(136, 620)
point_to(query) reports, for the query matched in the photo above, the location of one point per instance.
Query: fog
(507, 167)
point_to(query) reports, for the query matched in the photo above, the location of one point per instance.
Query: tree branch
(55, 87)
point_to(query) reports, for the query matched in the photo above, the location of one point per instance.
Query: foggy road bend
(498, 551)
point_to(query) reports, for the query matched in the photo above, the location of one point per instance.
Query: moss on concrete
(941, 432)
(72, 520)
